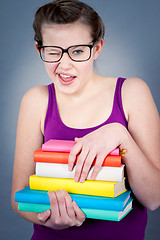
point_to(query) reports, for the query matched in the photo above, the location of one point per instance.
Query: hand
(97, 145)
(63, 214)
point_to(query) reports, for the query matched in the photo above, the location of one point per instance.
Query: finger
(77, 139)
(80, 162)
(80, 216)
(69, 205)
(54, 204)
(73, 155)
(62, 204)
(44, 215)
(87, 165)
(98, 164)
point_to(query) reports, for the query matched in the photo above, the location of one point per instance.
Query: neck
(89, 87)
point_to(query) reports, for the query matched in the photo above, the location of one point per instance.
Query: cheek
(87, 67)
(51, 68)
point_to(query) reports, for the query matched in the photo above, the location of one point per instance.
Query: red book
(62, 157)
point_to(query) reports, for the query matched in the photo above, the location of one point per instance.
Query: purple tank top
(132, 227)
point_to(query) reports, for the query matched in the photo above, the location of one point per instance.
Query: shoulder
(34, 105)
(133, 85)
(136, 96)
(36, 95)
(35, 99)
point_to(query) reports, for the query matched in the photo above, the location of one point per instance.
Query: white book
(57, 170)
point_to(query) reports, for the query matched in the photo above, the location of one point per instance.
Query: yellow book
(89, 187)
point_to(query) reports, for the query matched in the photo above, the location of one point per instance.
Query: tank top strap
(118, 95)
(52, 110)
(117, 109)
(52, 103)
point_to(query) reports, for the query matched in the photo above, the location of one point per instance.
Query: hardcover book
(58, 145)
(57, 170)
(89, 213)
(118, 203)
(62, 157)
(55, 145)
(89, 187)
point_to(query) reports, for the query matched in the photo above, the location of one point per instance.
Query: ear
(36, 46)
(98, 48)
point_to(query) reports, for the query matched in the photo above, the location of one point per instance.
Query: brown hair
(68, 11)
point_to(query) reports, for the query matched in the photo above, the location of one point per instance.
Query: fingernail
(39, 216)
(69, 168)
(82, 179)
(47, 212)
(76, 179)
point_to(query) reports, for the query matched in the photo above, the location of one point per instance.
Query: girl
(101, 113)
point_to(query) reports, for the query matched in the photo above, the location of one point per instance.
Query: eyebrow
(80, 44)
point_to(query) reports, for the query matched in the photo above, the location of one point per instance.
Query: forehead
(66, 34)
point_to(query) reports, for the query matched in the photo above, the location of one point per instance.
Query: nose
(65, 61)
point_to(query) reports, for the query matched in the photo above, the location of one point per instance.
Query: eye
(52, 51)
(78, 51)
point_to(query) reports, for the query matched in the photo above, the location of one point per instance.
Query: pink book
(58, 145)
(54, 145)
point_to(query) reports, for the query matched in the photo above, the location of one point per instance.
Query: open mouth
(66, 79)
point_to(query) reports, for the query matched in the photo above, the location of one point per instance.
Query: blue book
(118, 203)
(89, 213)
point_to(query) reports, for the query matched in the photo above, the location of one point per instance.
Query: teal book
(89, 213)
(118, 203)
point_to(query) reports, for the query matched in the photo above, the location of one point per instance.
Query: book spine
(54, 145)
(85, 201)
(61, 171)
(89, 213)
(33, 207)
(33, 196)
(58, 145)
(89, 187)
(59, 157)
(105, 214)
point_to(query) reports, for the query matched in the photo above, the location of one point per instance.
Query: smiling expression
(67, 75)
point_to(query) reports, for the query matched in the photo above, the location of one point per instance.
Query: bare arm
(143, 143)
(30, 138)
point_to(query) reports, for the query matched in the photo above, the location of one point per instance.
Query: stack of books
(104, 198)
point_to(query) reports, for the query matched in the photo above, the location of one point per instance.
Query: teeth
(65, 76)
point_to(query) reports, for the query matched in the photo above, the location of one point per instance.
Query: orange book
(62, 157)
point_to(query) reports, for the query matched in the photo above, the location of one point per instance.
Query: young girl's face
(69, 76)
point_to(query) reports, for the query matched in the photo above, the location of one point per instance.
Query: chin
(66, 89)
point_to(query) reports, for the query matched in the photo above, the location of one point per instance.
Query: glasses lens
(51, 54)
(79, 53)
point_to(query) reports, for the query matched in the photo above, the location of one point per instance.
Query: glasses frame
(67, 51)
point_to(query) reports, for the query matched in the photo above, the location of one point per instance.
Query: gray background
(132, 48)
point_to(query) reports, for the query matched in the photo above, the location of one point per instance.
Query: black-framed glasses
(78, 53)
